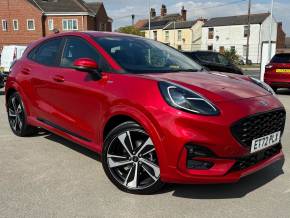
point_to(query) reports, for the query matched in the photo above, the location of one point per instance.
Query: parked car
(214, 61)
(277, 72)
(243, 61)
(154, 118)
(1, 80)
(9, 54)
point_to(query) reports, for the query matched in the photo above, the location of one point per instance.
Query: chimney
(153, 12)
(183, 13)
(163, 10)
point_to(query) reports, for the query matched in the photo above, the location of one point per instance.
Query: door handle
(25, 71)
(58, 78)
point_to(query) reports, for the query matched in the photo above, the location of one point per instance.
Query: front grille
(246, 162)
(258, 125)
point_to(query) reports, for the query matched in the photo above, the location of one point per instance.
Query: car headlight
(263, 85)
(186, 100)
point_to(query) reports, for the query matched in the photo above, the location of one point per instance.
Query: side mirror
(87, 65)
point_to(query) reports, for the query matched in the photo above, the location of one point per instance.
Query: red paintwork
(277, 80)
(86, 63)
(67, 98)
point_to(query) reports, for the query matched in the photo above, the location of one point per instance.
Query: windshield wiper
(185, 70)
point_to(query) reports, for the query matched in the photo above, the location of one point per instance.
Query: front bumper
(231, 177)
(213, 133)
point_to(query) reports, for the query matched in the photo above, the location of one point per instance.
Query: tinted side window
(76, 48)
(47, 53)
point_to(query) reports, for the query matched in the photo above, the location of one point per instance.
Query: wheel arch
(147, 122)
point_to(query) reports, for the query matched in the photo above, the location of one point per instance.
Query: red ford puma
(151, 112)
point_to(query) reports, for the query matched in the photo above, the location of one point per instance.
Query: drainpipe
(43, 21)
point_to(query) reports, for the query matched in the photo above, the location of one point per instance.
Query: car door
(78, 96)
(41, 66)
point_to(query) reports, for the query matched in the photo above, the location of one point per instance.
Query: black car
(1, 80)
(214, 61)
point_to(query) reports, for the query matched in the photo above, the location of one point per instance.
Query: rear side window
(281, 58)
(47, 53)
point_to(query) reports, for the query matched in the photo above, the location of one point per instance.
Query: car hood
(215, 86)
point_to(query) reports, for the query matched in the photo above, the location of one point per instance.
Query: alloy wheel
(132, 160)
(15, 114)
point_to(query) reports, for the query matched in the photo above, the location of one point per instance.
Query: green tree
(232, 55)
(130, 30)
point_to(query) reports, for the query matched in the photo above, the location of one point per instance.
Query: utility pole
(270, 33)
(149, 23)
(133, 19)
(249, 31)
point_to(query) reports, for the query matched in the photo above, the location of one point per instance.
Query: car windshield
(281, 58)
(140, 55)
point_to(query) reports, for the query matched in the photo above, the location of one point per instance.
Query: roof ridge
(242, 15)
(82, 3)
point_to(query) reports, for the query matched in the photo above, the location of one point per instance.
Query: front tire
(129, 160)
(275, 89)
(17, 116)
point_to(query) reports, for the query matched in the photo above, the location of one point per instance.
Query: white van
(9, 54)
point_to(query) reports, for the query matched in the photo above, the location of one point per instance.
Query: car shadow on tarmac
(216, 191)
(73, 146)
(227, 191)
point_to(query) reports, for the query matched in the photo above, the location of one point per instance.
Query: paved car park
(47, 176)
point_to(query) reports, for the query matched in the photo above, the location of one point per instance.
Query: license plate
(282, 70)
(265, 142)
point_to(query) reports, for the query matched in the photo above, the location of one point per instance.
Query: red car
(151, 112)
(277, 73)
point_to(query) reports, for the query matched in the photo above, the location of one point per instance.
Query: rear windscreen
(281, 58)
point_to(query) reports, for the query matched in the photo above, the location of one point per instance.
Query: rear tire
(130, 161)
(17, 117)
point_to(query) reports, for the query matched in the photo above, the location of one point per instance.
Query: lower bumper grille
(251, 160)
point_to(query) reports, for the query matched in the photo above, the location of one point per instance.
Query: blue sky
(119, 9)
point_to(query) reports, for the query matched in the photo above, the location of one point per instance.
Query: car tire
(130, 161)
(17, 117)
(275, 89)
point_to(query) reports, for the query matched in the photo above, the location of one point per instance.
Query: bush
(232, 55)
(130, 30)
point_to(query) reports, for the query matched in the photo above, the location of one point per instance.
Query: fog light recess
(195, 156)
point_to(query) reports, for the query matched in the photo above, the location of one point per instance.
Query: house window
(210, 33)
(179, 47)
(166, 36)
(246, 31)
(4, 25)
(15, 25)
(155, 35)
(179, 35)
(233, 48)
(102, 27)
(50, 24)
(69, 24)
(244, 50)
(222, 49)
(210, 48)
(30, 24)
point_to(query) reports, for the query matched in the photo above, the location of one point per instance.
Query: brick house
(23, 21)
